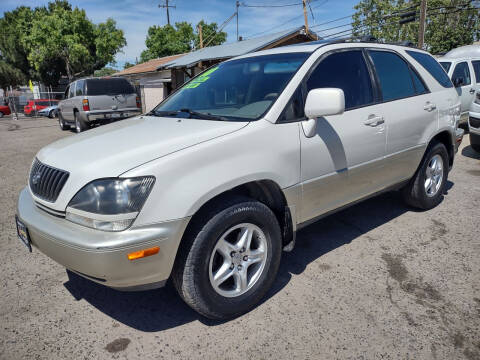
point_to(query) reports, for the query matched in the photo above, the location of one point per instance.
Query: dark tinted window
(420, 87)
(348, 71)
(294, 109)
(79, 88)
(433, 67)
(446, 65)
(71, 92)
(476, 69)
(109, 87)
(393, 74)
(462, 71)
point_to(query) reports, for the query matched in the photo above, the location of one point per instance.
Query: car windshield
(242, 89)
(446, 65)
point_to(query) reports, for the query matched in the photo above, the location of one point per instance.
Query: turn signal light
(86, 105)
(139, 104)
(143, 253)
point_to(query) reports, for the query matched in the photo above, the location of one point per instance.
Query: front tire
(228, 259)
(425, 190)
(475, 142)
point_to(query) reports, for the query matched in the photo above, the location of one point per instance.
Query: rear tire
(79, 124)
(425, 190)
(475, 142)
(1, 114)
(61, 122)
(213, 245)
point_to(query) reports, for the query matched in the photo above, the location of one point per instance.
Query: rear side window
(109, 87)
(476, 69)
(79, 88)
(420, 87)
(71, 92)
(433, 67)
(394, 75)
(462, 71)
(348, 71)
(446, 65)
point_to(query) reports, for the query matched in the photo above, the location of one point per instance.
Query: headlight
(109, 204)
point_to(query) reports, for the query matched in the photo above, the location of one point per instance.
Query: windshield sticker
(201, 79)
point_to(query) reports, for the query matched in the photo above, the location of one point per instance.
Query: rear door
(466, 92)
(409, 109)
(111, 94)
(67, 104)
(343, 162)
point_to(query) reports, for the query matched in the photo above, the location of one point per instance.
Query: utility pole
(237, 5)
(200, 35)
(421, 27)
(166, 6)
(304, 2)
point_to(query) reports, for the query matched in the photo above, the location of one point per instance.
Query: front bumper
(102, 256)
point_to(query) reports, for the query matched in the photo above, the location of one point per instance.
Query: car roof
(312, 46)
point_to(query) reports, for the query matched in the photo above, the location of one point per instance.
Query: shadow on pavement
(161, 309)
(468, 151)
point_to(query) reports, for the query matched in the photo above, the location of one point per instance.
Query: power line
(273, 6)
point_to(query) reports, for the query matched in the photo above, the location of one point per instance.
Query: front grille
(475, 123)
(46, 182)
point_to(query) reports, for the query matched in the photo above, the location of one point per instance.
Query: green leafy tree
(106, 71)
(449, 23)
(171, 40)
(10, 76)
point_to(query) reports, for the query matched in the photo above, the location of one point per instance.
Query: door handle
(429, 106)
(472, 91)
(374, 120)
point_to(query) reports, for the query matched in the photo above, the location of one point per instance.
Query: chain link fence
(22, 102)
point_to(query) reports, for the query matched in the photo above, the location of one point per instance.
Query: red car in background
(4, 110)
(37, 105)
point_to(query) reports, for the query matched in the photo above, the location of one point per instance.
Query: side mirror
(324, 102)
(458, 81)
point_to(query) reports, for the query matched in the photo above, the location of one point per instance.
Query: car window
(237, 90)
(420, 87)
(446, 65)
(114, 86)
(71, 92)
(79, 88)
(295, 108)
(67, 90)
(394, 75)
(462, 71)
(476, 69)
(432, 66)
(348, 71)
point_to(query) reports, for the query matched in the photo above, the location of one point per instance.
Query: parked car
(210, 186)
(34, 106)
(463, 67)
(4, 110)
(50, 111)
(95, 101)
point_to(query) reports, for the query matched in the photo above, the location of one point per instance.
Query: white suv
(209, 187)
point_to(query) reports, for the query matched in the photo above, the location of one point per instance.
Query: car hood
(111, 150)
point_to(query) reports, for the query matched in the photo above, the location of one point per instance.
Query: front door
(466, 92)
(343, 161)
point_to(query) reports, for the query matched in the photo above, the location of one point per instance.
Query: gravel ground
(375, 281)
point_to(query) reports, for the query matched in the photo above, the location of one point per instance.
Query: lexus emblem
(36, 178)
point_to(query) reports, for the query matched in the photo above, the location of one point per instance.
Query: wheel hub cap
(434, 175)
(238, 260)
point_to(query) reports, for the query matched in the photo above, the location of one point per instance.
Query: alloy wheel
(434, 175)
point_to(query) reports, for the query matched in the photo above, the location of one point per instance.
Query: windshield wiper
(205, 116)
(162, 113)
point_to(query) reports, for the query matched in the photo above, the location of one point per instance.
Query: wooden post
(421, 26)
(200, 35)
(304, 2)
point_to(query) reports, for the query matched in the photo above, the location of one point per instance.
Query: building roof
(148, 66)
(231, 49)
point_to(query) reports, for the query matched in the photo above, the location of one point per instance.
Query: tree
(210, 35)
(48, 42)
(171, 40)
(450, 23)
(128, 65)
(106, 71)
(10, 76)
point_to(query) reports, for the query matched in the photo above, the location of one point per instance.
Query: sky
(134, 17)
